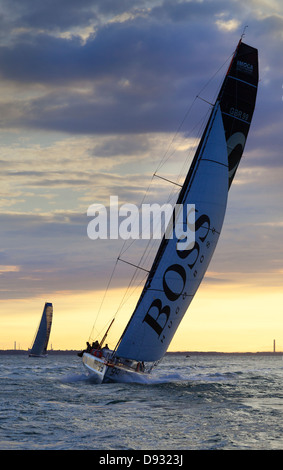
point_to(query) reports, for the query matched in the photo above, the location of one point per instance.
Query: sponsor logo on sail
(244, 67)
(160, 315)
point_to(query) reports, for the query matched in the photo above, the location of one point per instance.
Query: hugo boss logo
(158, 314)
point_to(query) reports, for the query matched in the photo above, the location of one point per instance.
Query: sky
(93, 96)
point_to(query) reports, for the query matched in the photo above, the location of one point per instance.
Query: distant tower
(15, 345)
(274, 345)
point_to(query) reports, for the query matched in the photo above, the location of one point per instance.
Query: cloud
(48, 253)
(93, 93)
(133, 76)
(45, 250)
(51, 16)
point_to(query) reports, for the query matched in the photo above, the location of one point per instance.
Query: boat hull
(120, 374)
(95, 366)
(38, 355)
(104, 372)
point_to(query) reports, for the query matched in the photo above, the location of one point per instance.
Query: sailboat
(40, 342)
(176, 274)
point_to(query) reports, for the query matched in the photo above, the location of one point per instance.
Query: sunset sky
(92, 93)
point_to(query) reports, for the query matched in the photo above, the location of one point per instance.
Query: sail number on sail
(239, 114)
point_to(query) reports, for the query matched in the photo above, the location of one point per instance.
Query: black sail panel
(237, 99)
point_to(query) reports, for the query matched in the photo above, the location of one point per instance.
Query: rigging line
(138, 267)
(106, 290)
(102, 329)
(165, 179)
(200, 125)
(142, 201)
(175, 135)
(146, 250)
(132, 279)
(206, 101)
(163, 161)
(215, 73)
(113, 271)
(124, 300)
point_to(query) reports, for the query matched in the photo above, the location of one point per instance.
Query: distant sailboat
(39, 347)
(176, 275)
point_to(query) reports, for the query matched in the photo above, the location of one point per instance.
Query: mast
(106, 333)
(176, 275)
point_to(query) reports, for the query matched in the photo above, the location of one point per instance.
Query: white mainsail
(40, 342)
(176, 273)
(179, 273)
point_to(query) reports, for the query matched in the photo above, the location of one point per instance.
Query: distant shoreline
(181, 353)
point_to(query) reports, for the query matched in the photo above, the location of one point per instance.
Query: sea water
(201, 402)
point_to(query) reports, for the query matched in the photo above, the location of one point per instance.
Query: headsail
(175, 275)
(42, 336)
